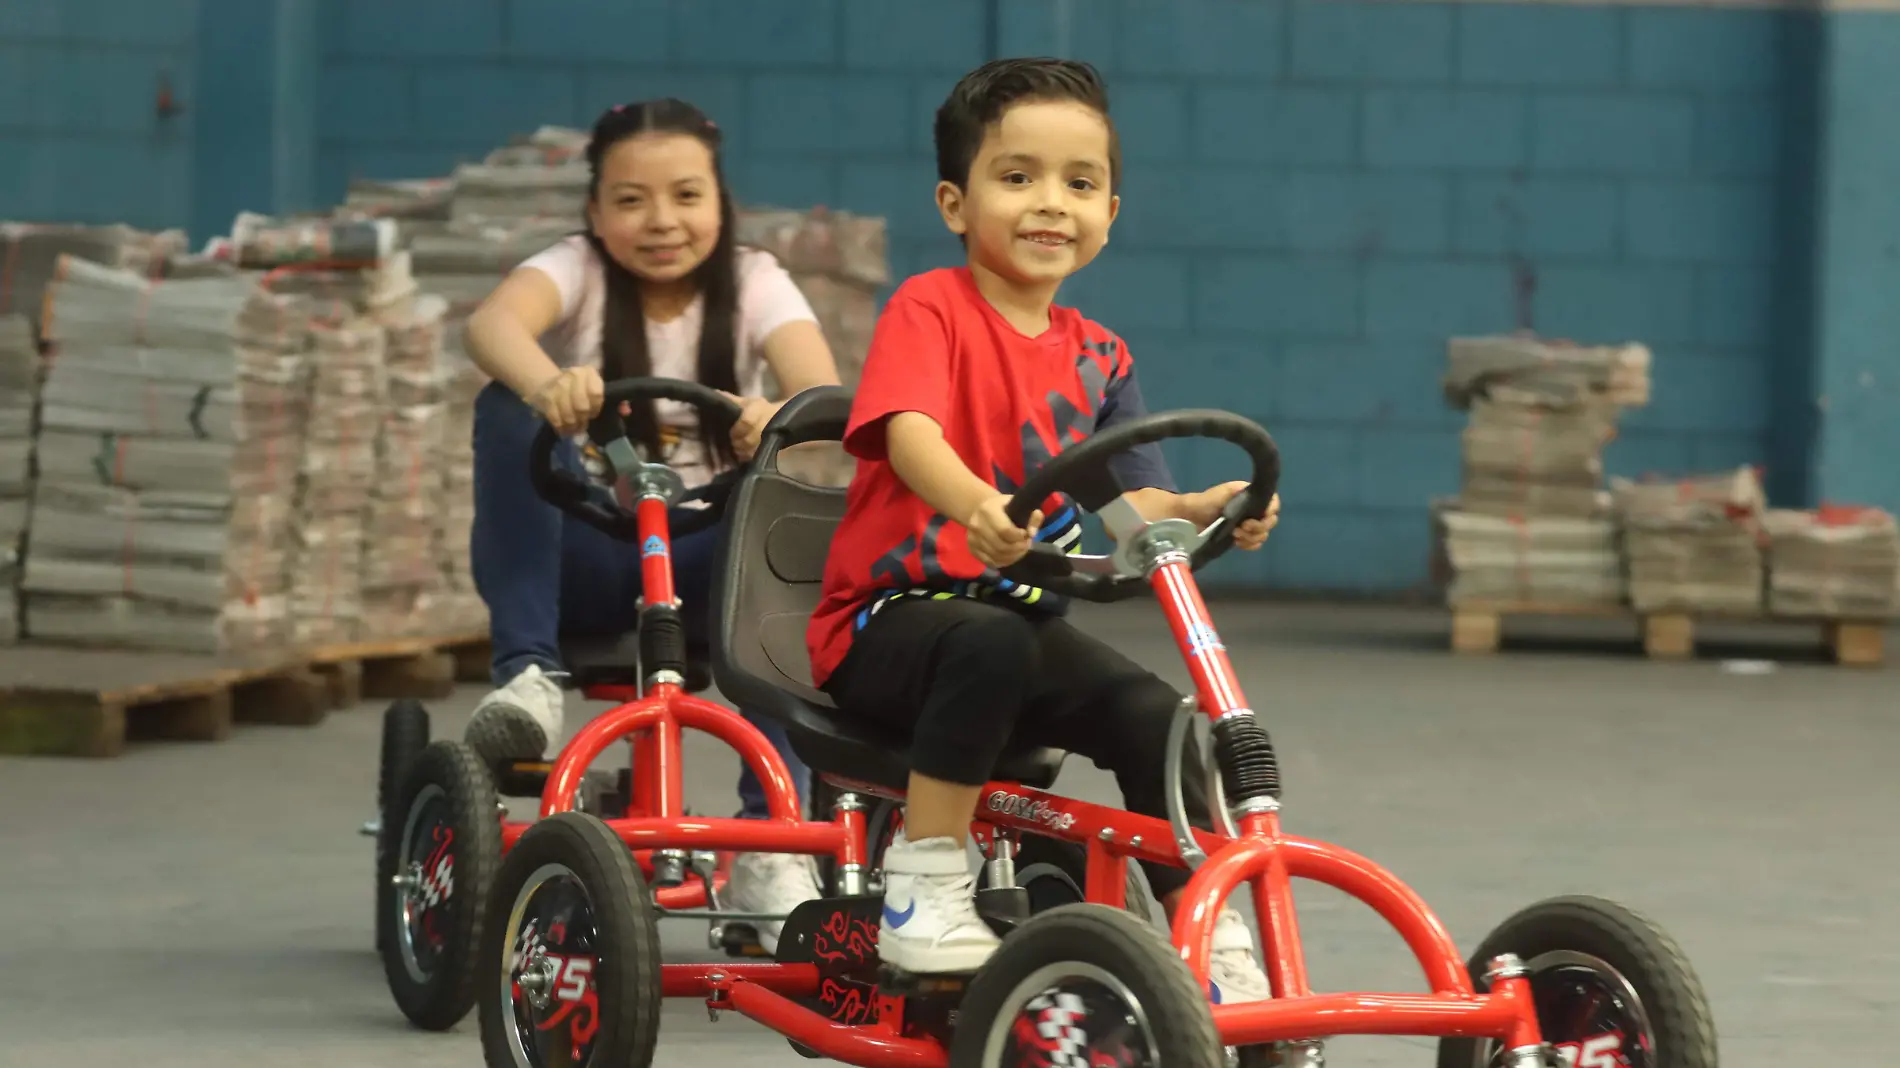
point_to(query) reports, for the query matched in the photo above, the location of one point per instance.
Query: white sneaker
(770, 882)
(930, 925)
(1233, 971)
(517, 721)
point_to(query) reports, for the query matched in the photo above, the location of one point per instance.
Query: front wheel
(1612, 989)
(571, 953)
(1086, 984)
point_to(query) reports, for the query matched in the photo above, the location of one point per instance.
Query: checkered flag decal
(1059, 1024)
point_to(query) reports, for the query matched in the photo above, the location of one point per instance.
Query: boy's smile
(1038, 205)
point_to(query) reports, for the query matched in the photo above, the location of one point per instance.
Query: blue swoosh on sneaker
(899, 919)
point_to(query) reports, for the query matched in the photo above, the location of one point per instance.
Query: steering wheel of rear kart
(574, 495)
(1081, 473)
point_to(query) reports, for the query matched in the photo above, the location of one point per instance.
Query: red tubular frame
(1263, 856)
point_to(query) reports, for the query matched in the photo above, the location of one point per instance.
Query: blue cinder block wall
(1316, 194)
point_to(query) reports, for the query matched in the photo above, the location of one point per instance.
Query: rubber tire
(1069, 879)
(442, 1003)
(627, 972)
(405, 736)
(1115, 941)
(1671, 994)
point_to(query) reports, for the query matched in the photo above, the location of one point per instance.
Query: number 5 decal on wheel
(575, 971)
(1597, 1051)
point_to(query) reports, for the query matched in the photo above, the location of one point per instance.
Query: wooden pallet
(1478, 628)
(68, 701)
(60, 701)
(401, 667)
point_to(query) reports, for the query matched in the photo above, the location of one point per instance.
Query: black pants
(966, 678)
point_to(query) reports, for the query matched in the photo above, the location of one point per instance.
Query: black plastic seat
(777, 535)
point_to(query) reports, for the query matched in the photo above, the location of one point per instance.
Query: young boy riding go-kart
(1574, 981)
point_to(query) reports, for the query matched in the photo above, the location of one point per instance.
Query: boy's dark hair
(983, 95)
(623, 333)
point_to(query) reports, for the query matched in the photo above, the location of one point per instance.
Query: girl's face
(656, 206)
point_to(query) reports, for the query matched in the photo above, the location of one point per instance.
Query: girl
(654, 286)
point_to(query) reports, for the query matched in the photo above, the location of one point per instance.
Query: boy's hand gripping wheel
(1144, 551)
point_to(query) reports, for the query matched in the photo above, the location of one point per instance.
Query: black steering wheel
(571, 493)
(1081, 473)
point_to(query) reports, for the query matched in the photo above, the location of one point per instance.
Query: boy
(974, 379)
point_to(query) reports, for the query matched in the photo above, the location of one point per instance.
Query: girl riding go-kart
(656, 285)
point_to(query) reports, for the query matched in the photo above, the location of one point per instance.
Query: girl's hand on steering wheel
(754, 413)
(569, 399)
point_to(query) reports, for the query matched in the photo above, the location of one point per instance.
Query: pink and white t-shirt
(768, 299)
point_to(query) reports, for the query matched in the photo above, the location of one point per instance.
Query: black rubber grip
(1249, 768)
(662, 640)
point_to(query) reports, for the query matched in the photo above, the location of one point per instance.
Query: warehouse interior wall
(1316, 194)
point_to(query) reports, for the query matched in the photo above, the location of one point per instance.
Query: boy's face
(1037, 206)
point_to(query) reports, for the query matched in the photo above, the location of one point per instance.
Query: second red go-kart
(571, 952)
(442, 829)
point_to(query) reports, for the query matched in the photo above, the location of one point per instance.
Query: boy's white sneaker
(930, 925)
(1233, 970)
(770, 882)
(517, 721)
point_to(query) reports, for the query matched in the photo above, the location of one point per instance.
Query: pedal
(522, 778)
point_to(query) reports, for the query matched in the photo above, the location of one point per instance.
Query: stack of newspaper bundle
(30, 254)
(19, 381)
(348, 390)
(1833, 563)
(1618, 373)
(402, 576)
(1532, 518)
(1693, 544)
(171, 433)
(1554, 560)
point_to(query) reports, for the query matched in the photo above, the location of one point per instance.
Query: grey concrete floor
(208, 905)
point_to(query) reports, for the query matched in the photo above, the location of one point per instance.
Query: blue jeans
(543, 574)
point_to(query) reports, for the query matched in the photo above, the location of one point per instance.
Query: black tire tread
(1627, 940)
(1128, 948)
(442, 1004)
(405, 734)
(629, 990)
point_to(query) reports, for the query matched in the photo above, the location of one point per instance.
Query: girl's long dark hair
(623, 333)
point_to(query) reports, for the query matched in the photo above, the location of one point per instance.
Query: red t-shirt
(1006, 403)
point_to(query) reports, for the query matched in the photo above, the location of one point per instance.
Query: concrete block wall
(1317, 193)
(81, 137)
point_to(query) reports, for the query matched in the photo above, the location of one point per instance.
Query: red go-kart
(442, 827)
(575, 972)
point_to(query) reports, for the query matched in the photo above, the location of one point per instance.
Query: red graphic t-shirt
(1007, 404)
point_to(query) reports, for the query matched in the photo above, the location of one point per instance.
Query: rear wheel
(446, 829)
(405, 736)
(1612, 989)
(571, 954)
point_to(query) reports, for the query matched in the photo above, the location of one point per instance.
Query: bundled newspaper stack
(1617, 373)
(19, 381)
(1834, 563)
(171, 433)
(1693, 544)
(1532, 521)
(1547, 560)
(402, 575)
(348, 391)
(30, 254)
